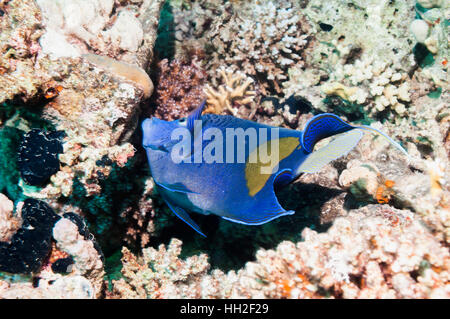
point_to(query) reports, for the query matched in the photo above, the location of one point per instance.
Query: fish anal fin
(264, 208)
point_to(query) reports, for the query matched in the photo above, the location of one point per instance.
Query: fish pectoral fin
(184, 216)
(177, 187)
(338, 147)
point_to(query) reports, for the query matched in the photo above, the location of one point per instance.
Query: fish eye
(182, 121)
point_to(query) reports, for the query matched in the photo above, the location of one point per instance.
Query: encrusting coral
(165, 274)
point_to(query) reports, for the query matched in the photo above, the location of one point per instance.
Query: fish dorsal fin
(194, 116)
(263, 209)
(340, 146)
(322, 126)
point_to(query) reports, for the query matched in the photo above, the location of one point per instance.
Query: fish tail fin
(390, 140)
(338, 147)
(325, 125)
(322, 126)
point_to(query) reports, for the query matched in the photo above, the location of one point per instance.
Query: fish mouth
(160, 148)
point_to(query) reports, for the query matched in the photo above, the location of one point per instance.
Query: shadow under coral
(230, 245)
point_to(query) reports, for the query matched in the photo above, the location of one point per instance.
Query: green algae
(435, 94)
(165, 41)
(113, 267)
(423, 56)
(353, 111)
(9, 172)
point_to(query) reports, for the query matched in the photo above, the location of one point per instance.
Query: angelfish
(234, 186)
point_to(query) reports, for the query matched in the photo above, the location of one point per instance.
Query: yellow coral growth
(234, 90)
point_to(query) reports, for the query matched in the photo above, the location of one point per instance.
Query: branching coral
(160, 274)
(365, 255)
(263, 39)
(234, 91)
(370, 81)
(80, 67)
(369, 65)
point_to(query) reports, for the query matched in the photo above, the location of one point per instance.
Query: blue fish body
(236, 188)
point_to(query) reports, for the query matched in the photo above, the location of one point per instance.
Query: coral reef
(262, 39)
(233, 92)
(363, 255)
(165, 275)
(80, 92)
(21, 28)
(179, 89)
(59, 252)
(73, 79)
(353, 63)
(373, 252)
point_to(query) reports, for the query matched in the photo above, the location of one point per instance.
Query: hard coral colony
(90, 204)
